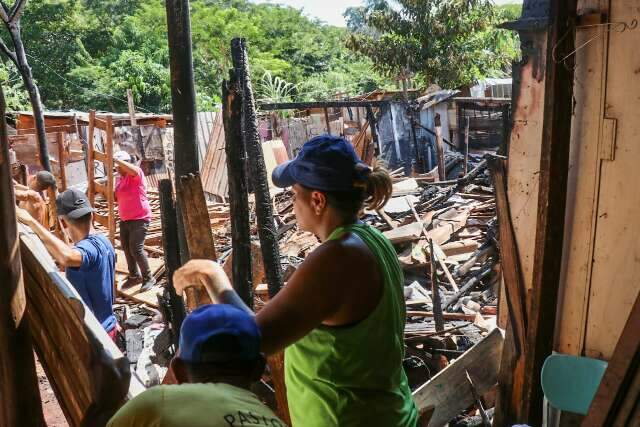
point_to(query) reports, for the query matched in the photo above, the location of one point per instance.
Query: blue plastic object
(570, 382)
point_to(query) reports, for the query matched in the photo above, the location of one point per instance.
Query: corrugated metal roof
(214, 167)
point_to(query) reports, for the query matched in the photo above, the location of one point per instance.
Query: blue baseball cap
(326, 163)
(230, 334)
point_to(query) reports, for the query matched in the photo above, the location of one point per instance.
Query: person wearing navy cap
(218, 360)
(340, 318)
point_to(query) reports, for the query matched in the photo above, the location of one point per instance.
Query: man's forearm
(60, 251)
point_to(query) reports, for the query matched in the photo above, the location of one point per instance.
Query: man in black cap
(90, 264)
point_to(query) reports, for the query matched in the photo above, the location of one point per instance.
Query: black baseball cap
(325, 163)
(73, 203)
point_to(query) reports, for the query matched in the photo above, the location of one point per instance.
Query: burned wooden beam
(183, 102)
(264, 209)
(258, 172)
(169, 221)
(435, 291)
(183, 93)
(238, 189)
(555, 139)
(20, 404)
(319, 104)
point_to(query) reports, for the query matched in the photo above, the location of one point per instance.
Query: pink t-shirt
(131, 193)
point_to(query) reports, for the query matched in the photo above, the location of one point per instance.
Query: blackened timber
(374, 129)
(435, 291)
(264, 208)
(171, 251)
(183, 94)
(552, 197)
(20, 404)
(258, 172)
(320, 104)
(238, 200)
(183, 101)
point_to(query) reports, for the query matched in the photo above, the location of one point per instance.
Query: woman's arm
(129, 168)
(312, 295)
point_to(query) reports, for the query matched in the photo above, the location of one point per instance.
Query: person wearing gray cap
(90, 264)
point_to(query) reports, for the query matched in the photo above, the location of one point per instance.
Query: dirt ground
(52, 412)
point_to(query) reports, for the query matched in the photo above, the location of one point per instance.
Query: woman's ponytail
(379, 188)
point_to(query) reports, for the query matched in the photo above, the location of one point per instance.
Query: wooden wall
(601, 256)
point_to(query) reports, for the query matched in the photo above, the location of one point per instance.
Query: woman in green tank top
(341, 316)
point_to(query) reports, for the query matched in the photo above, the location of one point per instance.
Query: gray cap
(73, 203)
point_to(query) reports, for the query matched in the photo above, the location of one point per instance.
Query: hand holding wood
(202, 272)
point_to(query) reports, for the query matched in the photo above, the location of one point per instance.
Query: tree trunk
(34, 94)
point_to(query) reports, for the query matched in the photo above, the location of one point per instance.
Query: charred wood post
(238, 200)
(552, 196)
(183, 101)
(435, 291)
(175, 309)
(442, 172)
(547, 32)
(258, 171)
(264, 209)
(18, 381)
(374, 129)
(466, 147)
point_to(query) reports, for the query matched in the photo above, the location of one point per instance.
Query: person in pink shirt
(135, 214)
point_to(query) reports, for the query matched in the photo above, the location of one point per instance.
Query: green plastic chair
(570, 382)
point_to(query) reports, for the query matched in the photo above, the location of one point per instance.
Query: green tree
(448, 42)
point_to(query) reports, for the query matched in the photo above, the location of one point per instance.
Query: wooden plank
(448, 390)
(90, 157)
(509, 258)
(88, 373)
(555, 139)
(197, 228)
(108, 166)
(21, 404)
(62, 159)
(615, 271)
(101, 219)
(99, 156)
(619, 376)
(99, 188)
(404, 233)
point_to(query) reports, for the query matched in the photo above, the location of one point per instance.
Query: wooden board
(405, 233)
(449, 392)
(197, 226)
(620, 380)
(88, 373)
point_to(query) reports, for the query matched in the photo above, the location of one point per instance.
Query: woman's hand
(202, 272)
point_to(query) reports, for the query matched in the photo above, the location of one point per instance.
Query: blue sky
(331, 11)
